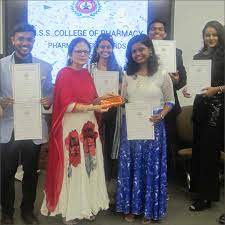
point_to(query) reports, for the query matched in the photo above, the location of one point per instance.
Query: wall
(189, 20)
(1, 27)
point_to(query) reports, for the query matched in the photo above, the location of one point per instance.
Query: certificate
(166, 51)
(199, 76)
(106, 82)
(138, 124)
(27, 108)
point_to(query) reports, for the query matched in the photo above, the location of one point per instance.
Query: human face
(140, 53)
(23, 43)
(157, 31)
(104, 49)
(80, 54)
(210, 37)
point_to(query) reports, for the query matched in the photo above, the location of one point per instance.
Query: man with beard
(25, 152)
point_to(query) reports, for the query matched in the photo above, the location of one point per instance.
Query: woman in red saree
(75, 183)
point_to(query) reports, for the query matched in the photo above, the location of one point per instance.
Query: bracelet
(162, 116)
(74, 107)
(220, 90)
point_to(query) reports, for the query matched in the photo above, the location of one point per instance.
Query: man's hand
(174, 77)
(185, 93)
(46, 102)
(6, 101)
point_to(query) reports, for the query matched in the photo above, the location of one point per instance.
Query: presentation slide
(58, 22)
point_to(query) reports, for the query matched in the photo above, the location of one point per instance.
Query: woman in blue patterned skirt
(142, 172)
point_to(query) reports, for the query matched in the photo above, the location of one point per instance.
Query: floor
(178, 213)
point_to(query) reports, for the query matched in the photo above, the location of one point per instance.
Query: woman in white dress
(75, 182)
(142, 164)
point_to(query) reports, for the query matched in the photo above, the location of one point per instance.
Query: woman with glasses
(103, 59)
(75, 183)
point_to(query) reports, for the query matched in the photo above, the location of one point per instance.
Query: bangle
(220, 90)
(162, 116)
(74, 107)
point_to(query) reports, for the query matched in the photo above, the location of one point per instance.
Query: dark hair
(23, 27)
(112, 63)
(71, 46)
(156, 21)
(219, 49)
(131, 66)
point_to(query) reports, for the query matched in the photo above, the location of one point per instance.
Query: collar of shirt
(18, 60)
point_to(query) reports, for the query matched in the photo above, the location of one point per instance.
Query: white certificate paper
(27, 107)
(106, 82)
(138, 125)
(166, 51)
(199, 76)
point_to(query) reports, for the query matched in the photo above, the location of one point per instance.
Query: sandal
(200, 205)
(129, 218)
(222, 219)
(146, 221)
(92, 218)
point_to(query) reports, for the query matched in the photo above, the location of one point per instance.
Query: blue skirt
(142, 175)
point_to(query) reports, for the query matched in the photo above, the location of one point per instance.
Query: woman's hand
(209, 91)
(108, 95)
(156, 118)
(100, 108)
(185, 93)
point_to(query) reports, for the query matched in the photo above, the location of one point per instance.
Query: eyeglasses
(23, 39)
(79, 52)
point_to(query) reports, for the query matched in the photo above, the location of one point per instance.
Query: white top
(156, 89)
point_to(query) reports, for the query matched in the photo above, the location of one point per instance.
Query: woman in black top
(208, 120)
(103, 59)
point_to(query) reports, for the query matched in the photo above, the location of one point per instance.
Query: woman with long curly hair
(142, 170)
(208, 121)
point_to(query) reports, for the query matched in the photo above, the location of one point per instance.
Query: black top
(182, 80)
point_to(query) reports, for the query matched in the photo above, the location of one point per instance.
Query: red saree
(71, 86)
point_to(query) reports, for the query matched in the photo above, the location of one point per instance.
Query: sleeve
(47, 86)
(181, 70)
(124, 87)
(167, 89)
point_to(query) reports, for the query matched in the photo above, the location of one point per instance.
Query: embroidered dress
(75, 182)
(142, 175)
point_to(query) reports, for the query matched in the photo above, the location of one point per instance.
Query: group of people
(88, 145)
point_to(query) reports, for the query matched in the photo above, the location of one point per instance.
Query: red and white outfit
(75, 181)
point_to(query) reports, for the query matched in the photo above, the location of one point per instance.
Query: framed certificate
(106, 82)
(27, 107)
(199, 76)
(138, 125)
(166, 51)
